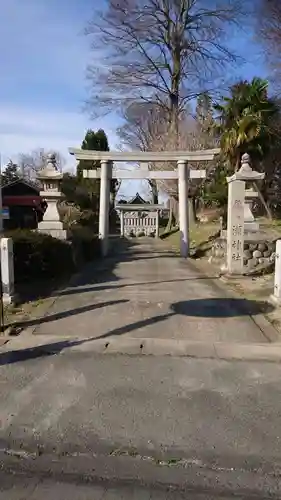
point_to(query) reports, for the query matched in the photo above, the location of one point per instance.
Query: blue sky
(43, 89)
(43, 59)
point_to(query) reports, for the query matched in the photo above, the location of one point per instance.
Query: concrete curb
(50, 344)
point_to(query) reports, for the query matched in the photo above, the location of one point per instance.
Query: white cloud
(43, 58)
(23, 130)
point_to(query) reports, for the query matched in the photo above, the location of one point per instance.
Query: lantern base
(53, 228)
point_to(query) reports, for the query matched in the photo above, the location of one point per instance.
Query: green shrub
(89, 220)
(86, 244)
(163, 221)
(38, 256)
(114, 222)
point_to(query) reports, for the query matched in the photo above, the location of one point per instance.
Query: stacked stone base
(256, 253)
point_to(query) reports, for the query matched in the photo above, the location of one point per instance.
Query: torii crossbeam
(183, 173)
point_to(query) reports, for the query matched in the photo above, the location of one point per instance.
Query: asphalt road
(24, 487)
(209, 426)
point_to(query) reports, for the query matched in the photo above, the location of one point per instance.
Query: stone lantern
(51, 178)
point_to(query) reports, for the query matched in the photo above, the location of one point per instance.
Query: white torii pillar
(183, 180)
(105, 176)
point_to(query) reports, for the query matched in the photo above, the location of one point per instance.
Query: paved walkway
(147, 292)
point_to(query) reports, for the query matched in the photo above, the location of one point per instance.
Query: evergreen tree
(94, 141)
(10, 174)
(244, 121)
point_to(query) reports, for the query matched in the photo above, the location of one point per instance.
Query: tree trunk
(261, 197)
(192, 210)
(172, 218)
(175, 89)
(154, 191)
(237, 163)
(175, 118)
(170, 221)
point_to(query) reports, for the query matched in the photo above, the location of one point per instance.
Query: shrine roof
(138, 200)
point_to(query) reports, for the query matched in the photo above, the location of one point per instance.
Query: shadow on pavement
(95, 287)
(97, 269)
(220, 308)
(208, 308)
(64, 314)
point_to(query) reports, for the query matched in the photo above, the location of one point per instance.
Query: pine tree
(10, 174)
(94, 141)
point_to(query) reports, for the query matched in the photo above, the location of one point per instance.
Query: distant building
(138, 200)
(22, 205)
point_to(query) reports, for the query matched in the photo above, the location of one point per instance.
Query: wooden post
(121, 223)
(157, 224)
(7, 269)
(276, 296)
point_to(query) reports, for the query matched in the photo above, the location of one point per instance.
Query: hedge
(38, 256)
(85, 243)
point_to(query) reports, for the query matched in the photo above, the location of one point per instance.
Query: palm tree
(244, 121)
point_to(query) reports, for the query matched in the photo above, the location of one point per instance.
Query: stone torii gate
(183, 173)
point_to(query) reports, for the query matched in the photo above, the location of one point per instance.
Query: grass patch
(166, 234)
(201, 237)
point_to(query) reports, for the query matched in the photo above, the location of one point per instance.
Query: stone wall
(257, 253)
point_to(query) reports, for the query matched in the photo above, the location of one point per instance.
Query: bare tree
(268, 28)
(146, 128)
(31, 163)
(164, 52)
(143, 121)
(192, 137)
(143, 124)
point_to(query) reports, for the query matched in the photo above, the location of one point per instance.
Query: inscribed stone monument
(235, 227)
